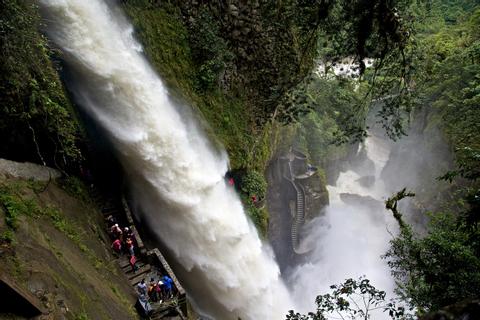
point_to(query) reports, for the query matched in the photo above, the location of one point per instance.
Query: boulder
(27, 170)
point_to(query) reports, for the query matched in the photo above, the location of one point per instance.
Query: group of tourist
(156, 290)
(123, 241)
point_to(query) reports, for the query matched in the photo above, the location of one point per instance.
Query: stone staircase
(168, 309)
(299, 217)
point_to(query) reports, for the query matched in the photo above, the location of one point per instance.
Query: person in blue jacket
(168, 284)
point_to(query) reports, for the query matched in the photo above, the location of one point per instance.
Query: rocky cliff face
(270, 55)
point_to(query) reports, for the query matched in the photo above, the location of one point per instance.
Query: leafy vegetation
(352, 299)
(323, 132)
(72, 232)
(15, 205)
(36, 118)
(440, 268)
(359, 29)
(254, 184)
(210, 50)
(76, 188)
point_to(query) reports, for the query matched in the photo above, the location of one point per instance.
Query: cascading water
(175, 175)
(350, 238)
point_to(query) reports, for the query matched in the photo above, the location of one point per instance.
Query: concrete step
(134, 281)
(128, 269)
(124, 262)
(141, 271)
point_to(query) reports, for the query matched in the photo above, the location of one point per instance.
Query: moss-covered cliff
(54, 246)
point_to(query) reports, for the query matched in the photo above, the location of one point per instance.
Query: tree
(438, 269)
(352, 299)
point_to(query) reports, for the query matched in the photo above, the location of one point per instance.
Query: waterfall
(351, 236)
(176, 176)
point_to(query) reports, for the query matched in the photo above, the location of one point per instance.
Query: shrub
(209, 48)
(253, 183)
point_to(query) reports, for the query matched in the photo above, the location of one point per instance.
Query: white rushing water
(349, 239)
(176, 177)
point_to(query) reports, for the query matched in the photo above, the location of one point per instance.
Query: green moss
(82, 316)
(71, 230)
(7, 237)
(17, 268)
(19, 198)
(133, 313)
(15, 204)
(76, 188)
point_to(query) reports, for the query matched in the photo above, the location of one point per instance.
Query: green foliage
(338, 102)
(72, 231)
(439, 268)
(374, 29)
(19, 198)
(36, 116)
(7, 237)
(82, 316)
(60, 222)
(210, 50)
(451, 90)
(353, 299)
(15, 204)
(334, 119)
(254, 183)
(449, 82)
(76, 188)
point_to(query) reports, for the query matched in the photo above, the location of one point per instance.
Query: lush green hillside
(37, 121)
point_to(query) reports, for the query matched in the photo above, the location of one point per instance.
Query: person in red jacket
(117, 246)
(133, 263)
